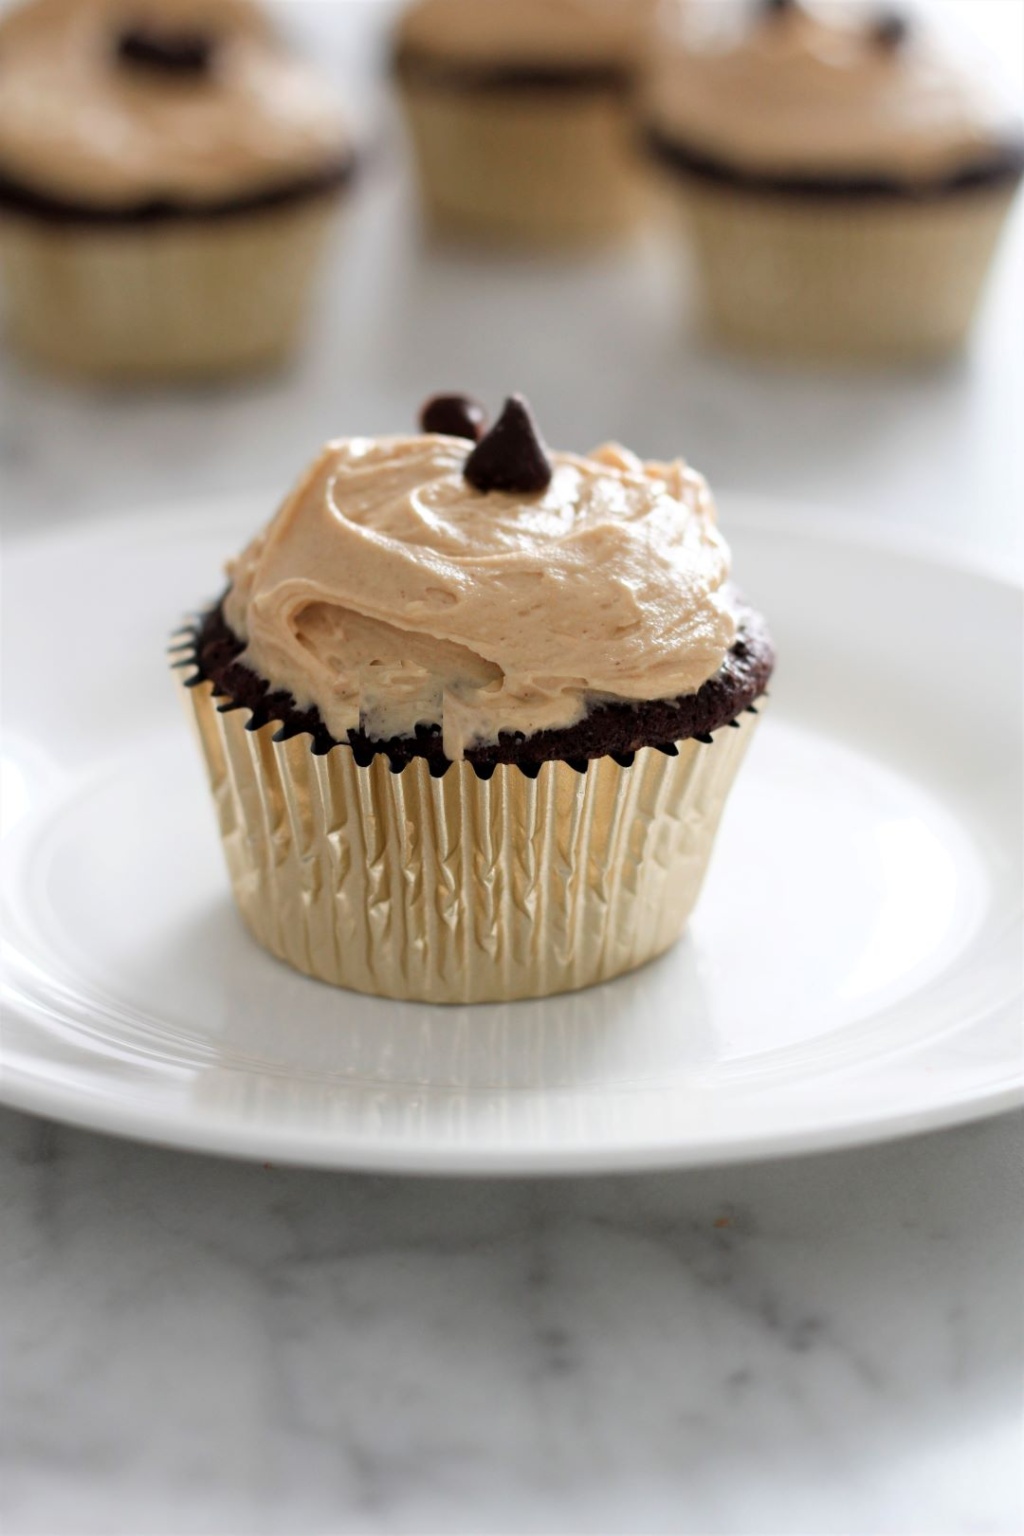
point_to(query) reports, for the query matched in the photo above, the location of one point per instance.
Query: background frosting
(389, 593)
(508, 32)
(811, 91)
(76, 122)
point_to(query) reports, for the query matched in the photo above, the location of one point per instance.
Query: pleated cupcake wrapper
(525, 166)
(460, 889)
(186, 298)
(831, 279)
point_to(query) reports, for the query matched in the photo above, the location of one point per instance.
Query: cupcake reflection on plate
(471, 710)
(844, 172)
(168, 177)
(519, 115)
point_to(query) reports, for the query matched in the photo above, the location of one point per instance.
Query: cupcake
(471, 710)
(168, 177)
(844, 176)
(519, 115)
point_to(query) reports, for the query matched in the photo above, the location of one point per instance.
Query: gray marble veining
(826, 1345)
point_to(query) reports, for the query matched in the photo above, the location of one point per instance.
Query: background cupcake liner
(457, 889)
(187, 297)
(533, 166)
(823, 279)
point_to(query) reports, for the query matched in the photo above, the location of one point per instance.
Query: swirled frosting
(389, 593)
(813, 91)
(480, 33)
(78, 122)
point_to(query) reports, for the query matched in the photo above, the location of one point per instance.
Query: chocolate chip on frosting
(165, 52)
(889, 30)
(454, 416)
(512, 457)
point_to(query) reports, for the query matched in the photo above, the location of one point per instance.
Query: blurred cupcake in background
(519, 115)
(168, 177)
(845, 174)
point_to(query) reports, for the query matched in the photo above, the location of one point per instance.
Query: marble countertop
(830, 1345)
(826, 1345)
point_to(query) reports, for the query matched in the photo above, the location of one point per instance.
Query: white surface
(853, 968)
(819, 1348)
(195, 1346)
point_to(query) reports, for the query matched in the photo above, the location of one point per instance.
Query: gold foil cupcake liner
(188, 298)
(526, 167)
(877, 281)
(460, 889)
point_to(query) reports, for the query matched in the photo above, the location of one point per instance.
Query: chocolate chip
(512, 457)
(166, 53)
(454, 416)
(889, 30)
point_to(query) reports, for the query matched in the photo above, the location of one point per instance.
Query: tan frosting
(810, 91)
(76, 122)
(508, 32)
(389, 593)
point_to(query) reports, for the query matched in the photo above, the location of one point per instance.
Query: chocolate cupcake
(519, 115)
(844, 176)
(471, 710)
(168, 178)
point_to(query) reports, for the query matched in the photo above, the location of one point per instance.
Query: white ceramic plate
(853, 971)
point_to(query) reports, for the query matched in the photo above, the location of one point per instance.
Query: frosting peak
(94, 108)
(824, 89)
(390, 593)
(528, 32)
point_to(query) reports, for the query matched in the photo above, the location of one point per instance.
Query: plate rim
(245, 1144)
(32, 1093)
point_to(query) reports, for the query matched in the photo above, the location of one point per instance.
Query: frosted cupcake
(845, 177)
(519, 115)
(471, 710)
(168, 178)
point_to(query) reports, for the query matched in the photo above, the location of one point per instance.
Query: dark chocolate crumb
(454, 416)
(512, 456)
(734, 724)
(529, 77)
(322, 183)
(439, 767)
(287, 731)
(624, 759)
(578, 764)
(529, 770)
(705, 738)
(669, 747)
(484, 770)
(621, 728)
(1001, 165)
(773, 8)
(890, 30)
(187, 54)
